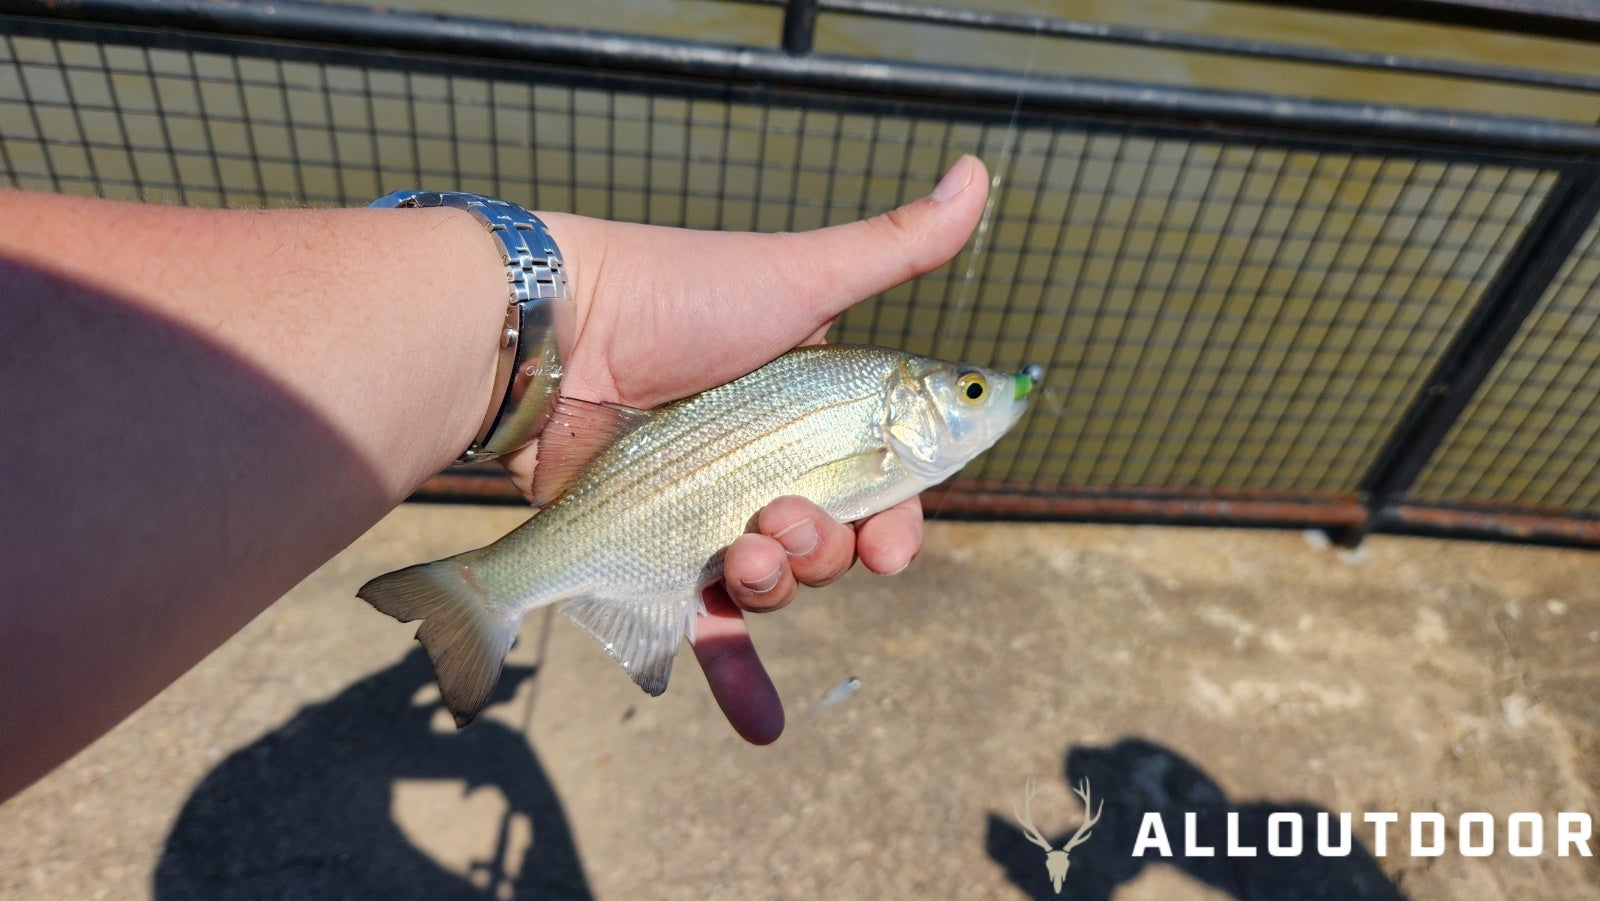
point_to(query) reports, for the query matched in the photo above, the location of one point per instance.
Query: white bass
(641, 505)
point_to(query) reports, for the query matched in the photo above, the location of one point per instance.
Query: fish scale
(636, 534)
(743, 457)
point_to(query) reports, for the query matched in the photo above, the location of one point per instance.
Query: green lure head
(1031, 374)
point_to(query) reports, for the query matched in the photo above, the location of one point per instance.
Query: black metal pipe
(1544, 247)
(1575, 20)
(1163, 39)
(799, 26)
(398, 37)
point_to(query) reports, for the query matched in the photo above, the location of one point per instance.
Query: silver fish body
(639, 531)
(836, 694)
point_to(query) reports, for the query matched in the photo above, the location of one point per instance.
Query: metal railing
(1254, 308)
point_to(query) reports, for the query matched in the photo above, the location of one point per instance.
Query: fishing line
(1051, 401)
(545, 629)
(497, 867)
(1007, 149)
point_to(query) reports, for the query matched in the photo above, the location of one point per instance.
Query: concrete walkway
(1183, 671)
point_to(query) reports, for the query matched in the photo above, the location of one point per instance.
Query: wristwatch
(530, 363)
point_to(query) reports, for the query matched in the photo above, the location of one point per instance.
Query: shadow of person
(306, 811)
(1135, 777)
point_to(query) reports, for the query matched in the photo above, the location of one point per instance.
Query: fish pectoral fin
(576, 433)
(466, 634)
(641, 633)
(859, 485)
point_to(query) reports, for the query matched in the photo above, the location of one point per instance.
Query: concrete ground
(1183, 671)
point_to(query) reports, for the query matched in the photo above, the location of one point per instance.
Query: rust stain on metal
(471, 486)
(1160, 504)
(1510, 523)
(1154, 504)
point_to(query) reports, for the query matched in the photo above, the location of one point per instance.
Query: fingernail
(764, 585)
(799, 539)
(902, 567)
(954, 182)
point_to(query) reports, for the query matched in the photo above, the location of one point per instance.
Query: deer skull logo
(1056, 861)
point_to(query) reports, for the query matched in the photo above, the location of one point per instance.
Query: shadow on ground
(1136, 776)
(307, 811)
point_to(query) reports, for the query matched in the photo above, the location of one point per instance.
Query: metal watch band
(530, 364)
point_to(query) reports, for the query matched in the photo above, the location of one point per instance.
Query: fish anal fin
(576, 433)
(640, 633)
(466, 635)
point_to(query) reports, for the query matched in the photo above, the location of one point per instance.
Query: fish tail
(465, 632)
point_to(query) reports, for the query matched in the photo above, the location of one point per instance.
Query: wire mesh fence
(1238, 316)
(1532, 434)
(1226, 316)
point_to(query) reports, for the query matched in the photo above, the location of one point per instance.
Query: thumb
(857, 260)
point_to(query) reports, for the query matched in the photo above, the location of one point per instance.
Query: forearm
(198, 408)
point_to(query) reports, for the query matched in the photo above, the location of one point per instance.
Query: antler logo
(1056, 861)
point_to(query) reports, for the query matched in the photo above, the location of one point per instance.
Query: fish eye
(971, 387)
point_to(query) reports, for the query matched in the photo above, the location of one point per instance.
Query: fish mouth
(1018, 408)
(1000, 425)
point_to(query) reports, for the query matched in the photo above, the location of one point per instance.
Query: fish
(836, 694)
(637, 507)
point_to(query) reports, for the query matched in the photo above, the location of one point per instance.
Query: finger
(834, 268)
(738, 681)
(756, 573)
(783, 288)
(889, 541)
(820, 549)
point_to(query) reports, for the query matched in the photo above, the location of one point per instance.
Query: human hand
(648, 301)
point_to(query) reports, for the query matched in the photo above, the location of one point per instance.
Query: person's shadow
(305, 812)
(1135, 777)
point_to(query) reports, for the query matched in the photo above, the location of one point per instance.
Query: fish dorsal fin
(641, 633)
(576, 433)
